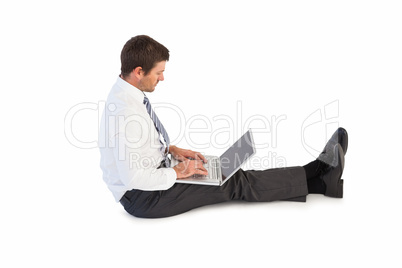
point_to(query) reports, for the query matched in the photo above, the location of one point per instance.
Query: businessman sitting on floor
(135, 156)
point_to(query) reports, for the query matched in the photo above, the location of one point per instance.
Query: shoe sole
(334, 183)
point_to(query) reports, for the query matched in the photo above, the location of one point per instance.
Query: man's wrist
(171, 148)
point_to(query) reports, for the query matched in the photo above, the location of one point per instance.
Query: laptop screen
(236, 155)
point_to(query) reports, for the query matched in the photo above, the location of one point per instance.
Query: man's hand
(182, 154)
(192, 162)
(188, 168)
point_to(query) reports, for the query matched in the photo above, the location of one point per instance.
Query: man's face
(149, 81)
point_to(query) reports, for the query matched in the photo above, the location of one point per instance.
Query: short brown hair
(142, 51)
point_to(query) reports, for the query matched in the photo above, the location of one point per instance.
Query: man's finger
(198, 164)
(199, 156)
(202, 168)
(180, 158)
(201, 171)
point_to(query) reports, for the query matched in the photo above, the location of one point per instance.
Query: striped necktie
(158, 125)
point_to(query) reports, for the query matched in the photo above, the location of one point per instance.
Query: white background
(288, 58)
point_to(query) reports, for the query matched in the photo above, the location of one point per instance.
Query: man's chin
(150, 90)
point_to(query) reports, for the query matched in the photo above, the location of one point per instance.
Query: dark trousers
(251, 186)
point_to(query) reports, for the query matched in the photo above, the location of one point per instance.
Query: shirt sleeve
(137, 155)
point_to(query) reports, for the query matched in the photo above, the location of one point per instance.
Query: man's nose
(161, 77)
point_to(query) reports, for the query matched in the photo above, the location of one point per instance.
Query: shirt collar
(130, 89)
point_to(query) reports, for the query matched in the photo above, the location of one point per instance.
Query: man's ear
(138, 72)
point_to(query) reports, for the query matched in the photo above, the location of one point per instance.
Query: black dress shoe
(332, 172)
(340, 136)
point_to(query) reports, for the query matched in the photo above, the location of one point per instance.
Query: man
(135, 150)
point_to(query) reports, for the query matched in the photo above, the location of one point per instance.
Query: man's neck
(130, 81)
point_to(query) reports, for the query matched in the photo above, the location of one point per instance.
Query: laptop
(220, 169)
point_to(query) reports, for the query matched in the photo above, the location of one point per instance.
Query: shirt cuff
(171, 176)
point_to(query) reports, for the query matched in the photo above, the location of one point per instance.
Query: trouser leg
(251, 186)
(297, 199)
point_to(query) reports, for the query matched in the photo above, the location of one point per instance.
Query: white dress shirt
(131, 151)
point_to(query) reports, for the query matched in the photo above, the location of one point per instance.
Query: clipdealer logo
(322, 122)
